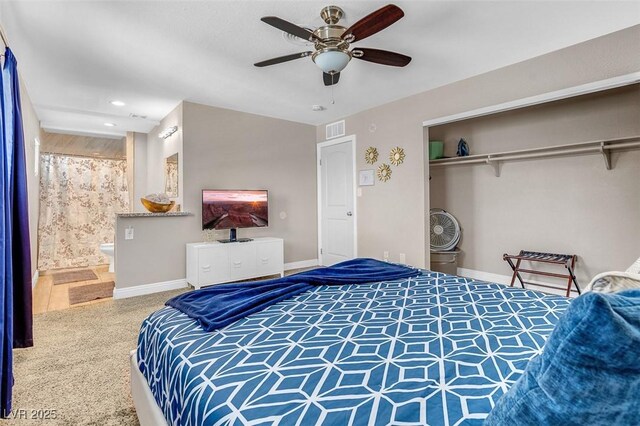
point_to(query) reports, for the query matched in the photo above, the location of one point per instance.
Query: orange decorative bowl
(157, 207)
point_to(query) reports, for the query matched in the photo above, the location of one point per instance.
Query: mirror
(171, 175)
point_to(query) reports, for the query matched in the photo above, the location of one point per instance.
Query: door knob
(349, 214)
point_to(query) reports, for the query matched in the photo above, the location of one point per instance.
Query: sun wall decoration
(396, 156)
(371, 155)
(384, 172)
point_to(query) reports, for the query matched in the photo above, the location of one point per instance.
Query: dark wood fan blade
(383, 57)
(281, 59)
(330, 79)
(374, 22)
(290, 28)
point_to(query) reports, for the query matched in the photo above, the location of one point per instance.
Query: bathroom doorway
(83, 184)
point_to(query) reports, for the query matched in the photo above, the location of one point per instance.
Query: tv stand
(215, 263)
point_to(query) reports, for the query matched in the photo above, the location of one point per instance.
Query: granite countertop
(149, 214)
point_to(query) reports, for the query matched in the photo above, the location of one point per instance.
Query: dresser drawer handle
(265, 259)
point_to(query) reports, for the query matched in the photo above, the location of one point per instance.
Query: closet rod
(603, 147)
(550, 151)
(623, 145)
(481, 158)
(594, 149)
(545, 154)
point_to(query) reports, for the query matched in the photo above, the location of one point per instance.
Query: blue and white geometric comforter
(435, 349)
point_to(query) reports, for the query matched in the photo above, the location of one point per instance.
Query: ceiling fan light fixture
(331, 42)
(331, 61)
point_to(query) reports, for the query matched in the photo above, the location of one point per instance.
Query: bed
(435, 349)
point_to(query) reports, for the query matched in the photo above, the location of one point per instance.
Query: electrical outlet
(128, 233)
(386, 256)
(403, 258)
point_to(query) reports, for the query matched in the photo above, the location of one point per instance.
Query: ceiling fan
(332, 41)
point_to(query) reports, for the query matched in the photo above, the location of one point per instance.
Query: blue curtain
(22, 286)
(15, 256)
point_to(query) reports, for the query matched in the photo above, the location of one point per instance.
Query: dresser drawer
(213, 265)
(242, 261)
(269, 258)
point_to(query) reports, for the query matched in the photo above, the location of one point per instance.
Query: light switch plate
(128, 233)
(366, 178)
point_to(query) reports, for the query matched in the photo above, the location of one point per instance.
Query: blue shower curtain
(15, 256)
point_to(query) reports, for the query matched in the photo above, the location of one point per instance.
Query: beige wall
(562, 205)
(158, 149)
(391, 216)
(139, 171)
(390, 213)
(156, 254)
(228, 150)
(233, 150)
(130, 150)
(32, 131)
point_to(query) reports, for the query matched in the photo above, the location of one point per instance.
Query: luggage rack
(567, 260)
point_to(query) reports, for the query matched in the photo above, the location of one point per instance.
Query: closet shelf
(603, 147)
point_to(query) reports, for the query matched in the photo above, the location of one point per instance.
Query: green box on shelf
(436, 150)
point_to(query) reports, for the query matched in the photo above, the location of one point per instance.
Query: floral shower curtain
(79, 198)
(171, 179)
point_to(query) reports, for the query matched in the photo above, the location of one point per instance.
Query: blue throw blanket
(589, 372)
(218, 306)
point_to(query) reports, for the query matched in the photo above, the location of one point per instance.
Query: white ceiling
(77, 56)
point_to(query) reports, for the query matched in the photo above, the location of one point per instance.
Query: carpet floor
(79, 365)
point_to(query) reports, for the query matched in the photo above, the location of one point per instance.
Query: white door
(337, 236)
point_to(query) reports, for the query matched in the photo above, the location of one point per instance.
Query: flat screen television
(232, 209)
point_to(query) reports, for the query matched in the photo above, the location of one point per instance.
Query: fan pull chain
(333, 101)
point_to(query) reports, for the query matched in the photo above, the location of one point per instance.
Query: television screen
(227, 209)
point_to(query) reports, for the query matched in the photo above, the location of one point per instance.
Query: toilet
(108, 249)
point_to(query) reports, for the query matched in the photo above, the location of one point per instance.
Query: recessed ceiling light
(110, 124)
(118, 103)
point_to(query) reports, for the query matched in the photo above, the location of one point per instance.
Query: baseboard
(506, 280)
(141, 290)
(301, 264)
(34, 279)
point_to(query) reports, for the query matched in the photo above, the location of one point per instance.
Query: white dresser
(215, 263)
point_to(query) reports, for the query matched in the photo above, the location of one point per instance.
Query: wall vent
(335, 130)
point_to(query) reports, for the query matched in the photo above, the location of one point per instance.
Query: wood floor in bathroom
(49, 297)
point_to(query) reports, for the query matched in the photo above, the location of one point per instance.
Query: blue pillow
(589, 372)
